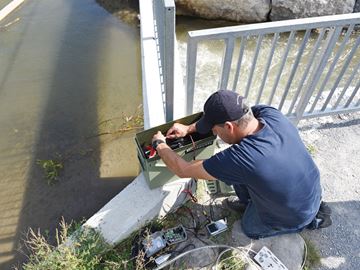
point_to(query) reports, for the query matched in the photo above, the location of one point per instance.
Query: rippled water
(65, 67)
(209, 60)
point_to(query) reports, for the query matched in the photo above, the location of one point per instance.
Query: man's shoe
(320, 221)
(235, 204)
(324, 208)
(324, 220)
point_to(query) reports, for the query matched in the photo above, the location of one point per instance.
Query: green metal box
(155, 171)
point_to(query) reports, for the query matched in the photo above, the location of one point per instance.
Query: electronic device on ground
(216, 227)
(162, 258)
(268, 261)
(161, 239)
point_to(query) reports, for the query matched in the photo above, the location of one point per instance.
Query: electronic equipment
(154, 169)
(175, 235)
(153, 243)
(159, 240)
(162, 258)
(268, 261)
(216, 227)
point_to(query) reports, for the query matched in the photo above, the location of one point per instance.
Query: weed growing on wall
(51, 169)
(110, 127)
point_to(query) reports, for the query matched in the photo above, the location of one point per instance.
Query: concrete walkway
(337, 154)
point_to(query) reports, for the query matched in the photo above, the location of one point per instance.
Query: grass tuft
(51, 169)
(311, 149)
(232, 260)
(85, 249)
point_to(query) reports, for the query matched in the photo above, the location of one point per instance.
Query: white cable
(227, 248)
(220, 255)
(241, 249)
(305, 256)
(246, 256)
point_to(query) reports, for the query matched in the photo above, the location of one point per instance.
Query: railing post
(226, 63)
(164, 11)
(191, 55)
(152, 92)
(330, 43)
(168, 54)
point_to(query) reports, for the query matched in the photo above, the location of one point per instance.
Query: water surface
(209, 61)
(65, 67)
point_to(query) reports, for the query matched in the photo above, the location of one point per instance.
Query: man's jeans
(251, 223)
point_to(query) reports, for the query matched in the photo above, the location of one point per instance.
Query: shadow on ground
(347, 123)
(338, 245)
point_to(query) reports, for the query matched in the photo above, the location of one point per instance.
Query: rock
(357, 6)
(293, 9)
(234, 10)
(289, 248)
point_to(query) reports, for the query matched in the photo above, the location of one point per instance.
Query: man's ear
(229, 126)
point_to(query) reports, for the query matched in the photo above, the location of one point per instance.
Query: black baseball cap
(220, 107)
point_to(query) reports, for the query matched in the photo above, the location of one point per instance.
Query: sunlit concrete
(134, 206)
(10, 8)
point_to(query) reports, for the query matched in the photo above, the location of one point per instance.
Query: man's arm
(181, 167)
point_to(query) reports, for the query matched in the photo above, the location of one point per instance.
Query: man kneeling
(274, 177)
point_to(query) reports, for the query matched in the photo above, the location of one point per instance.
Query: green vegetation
(231, 260)
(115, 126)
(122, 124)
(51, 169)
(85, 253)
(311, 149)
(88, 250)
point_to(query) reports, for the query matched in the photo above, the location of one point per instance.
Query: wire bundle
(244, 255)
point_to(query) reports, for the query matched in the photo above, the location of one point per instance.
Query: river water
(66, 67)
(209, 60)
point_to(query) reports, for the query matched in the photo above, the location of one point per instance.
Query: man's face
(223, 132)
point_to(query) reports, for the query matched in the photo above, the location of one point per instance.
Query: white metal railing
(318, 47)
(157, 18)
(164, 23)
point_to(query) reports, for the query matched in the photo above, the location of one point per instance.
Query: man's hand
(174, 162)
(177, 131)
(158, 136)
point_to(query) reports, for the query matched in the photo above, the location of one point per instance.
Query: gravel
(336, 140)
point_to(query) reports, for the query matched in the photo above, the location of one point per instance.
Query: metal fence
(314, 71)
(164, 24)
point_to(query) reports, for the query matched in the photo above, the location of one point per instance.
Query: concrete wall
(137, 203)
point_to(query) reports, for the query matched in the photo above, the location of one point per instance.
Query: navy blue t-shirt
(280, 175)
